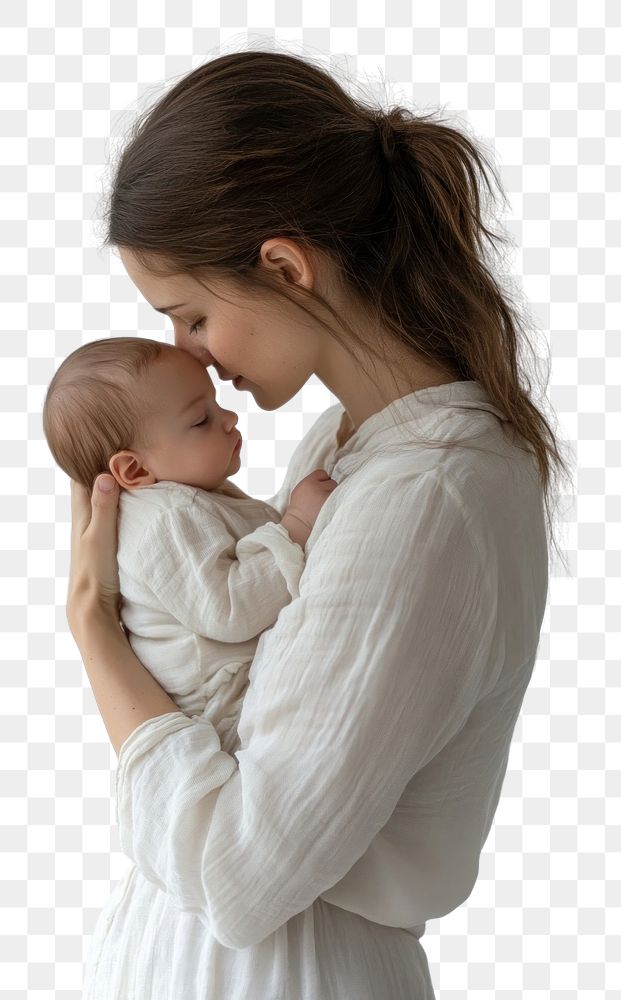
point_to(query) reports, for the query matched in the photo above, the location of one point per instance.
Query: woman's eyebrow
(166, 309)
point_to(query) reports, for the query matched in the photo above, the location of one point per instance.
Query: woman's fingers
(80, 509)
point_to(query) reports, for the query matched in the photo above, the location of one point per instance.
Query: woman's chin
(264, 402)
(267, 399)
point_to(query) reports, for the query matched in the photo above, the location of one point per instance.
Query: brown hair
(258, 144)
(92, 409)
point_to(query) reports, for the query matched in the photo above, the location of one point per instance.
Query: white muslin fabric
(202, 574)
(374, 732)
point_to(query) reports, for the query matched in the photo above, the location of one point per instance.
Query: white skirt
(142, 948)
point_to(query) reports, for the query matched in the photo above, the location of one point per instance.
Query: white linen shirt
(202, 574)
(374, 734)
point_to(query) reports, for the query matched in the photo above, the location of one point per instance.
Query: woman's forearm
(125, 692)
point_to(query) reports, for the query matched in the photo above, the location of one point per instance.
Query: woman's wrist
(87, 613)
(126, 693)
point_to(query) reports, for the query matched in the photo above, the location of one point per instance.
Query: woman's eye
(194, 329)
(202, 422)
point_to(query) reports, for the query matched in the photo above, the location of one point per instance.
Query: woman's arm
(125, 692)
(362, 680)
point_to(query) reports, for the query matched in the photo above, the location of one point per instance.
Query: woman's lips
(237, 380)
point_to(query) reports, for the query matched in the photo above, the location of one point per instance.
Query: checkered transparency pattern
(540, 83)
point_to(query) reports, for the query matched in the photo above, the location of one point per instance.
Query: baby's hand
(305, 502)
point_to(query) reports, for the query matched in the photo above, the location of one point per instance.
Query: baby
(203, 567)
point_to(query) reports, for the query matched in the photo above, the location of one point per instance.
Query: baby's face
(193, 440)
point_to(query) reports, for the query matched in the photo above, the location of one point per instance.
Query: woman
(287, 231)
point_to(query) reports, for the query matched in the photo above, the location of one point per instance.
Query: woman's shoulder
(396, 492)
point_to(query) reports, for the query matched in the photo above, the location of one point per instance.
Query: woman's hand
(125, 692)
(93, 569)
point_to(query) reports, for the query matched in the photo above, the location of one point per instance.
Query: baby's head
(142, 410)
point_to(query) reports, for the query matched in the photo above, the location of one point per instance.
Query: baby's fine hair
(92, 408)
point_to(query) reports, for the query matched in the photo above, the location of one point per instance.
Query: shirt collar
(422, 405)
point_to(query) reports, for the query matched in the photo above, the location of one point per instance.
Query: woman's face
(272, 352)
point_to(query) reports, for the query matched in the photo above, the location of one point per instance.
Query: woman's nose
(196, 350)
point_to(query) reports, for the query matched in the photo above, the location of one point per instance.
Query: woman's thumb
(106, 484)
(105, 492)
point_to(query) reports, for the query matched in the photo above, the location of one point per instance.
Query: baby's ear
(129, 471)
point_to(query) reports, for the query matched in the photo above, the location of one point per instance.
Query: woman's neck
(363, 395)
(365, 383)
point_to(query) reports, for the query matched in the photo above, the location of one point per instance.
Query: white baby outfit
(202, 574)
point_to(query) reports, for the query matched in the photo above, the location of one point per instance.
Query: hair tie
(387, 137)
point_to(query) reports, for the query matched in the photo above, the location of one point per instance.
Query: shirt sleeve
(364, 678)
(219, 587)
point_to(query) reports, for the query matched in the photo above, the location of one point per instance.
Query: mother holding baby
(288, 230)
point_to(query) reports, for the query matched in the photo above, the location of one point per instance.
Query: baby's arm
(219, 587)
(305, 502)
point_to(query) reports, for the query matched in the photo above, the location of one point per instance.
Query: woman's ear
(128, 470)
(288, 257)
